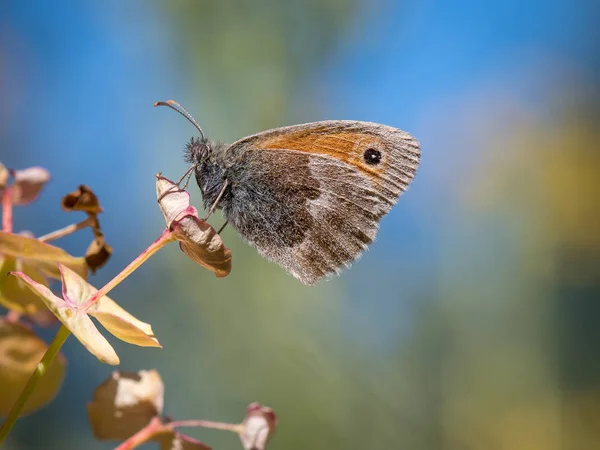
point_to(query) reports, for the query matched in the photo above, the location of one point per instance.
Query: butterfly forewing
(309, 197)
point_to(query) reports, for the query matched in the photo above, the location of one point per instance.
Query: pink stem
(142, 436)
(155, 426)
(163, 240)
(7, 222)
(235, 427)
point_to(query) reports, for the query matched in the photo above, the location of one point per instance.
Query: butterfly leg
(223, 227)
(216, 202)
(188, 174)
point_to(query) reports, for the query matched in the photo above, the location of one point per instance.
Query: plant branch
(163, 240)
(234, 427)
(7, 205)
(144, 435)
(67, 230)
(155, 426)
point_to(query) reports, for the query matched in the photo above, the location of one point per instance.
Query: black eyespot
(372, 156)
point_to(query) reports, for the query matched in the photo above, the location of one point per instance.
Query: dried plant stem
(144, 435)
(67, 230)
(7, 205)
(234, 427)
(36, 376)
(163, 240)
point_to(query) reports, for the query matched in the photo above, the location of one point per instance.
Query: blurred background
(473, 321)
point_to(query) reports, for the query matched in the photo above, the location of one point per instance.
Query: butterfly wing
(310, 197)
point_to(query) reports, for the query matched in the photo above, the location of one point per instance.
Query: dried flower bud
(197, 239)
(258, 426)
(97, 253)
(81, 199)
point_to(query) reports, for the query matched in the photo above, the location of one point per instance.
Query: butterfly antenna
(181, 110)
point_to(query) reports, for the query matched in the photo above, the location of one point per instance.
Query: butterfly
(308, 197)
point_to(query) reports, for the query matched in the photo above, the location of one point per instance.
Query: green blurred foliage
(521, 307)
(248, 59)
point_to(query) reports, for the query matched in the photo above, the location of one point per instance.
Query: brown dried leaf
(97, 253)
(81, 199)
(201, 243)
(125, 403)
(28, 184)
(198, 240)
(20, 353)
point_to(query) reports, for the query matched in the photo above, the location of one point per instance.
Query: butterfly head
(198, 150)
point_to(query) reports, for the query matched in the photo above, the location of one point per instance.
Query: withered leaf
(81, 199)
(97, 253)
(125, 403)
(28, 184)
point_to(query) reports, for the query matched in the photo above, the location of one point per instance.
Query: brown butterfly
(308, 197)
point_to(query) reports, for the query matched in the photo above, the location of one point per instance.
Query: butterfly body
(308, 197)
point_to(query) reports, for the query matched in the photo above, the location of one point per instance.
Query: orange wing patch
(348, 147)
